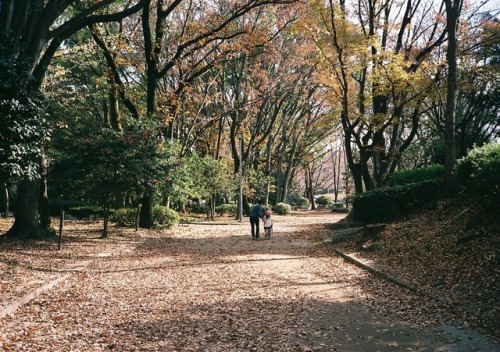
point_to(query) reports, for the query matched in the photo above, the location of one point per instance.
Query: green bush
(58, 205)
(199, 208)
(323, 201)
(186, 220)
(165, 217)
(403, 177)
(479, 174)
(391, 203)
(125, 216)
(86, 212)
(302, 202)
(338, 208)
(229, 209)
(283, 209)
(297, 200)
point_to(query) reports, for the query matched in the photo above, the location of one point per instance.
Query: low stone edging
(12, 307)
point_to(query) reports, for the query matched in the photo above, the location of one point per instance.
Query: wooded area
(171, 105)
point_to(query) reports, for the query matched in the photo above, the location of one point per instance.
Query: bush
(478, 174)
(283, 209)
(404, 177)
(391, 203)
(165, 217)
(199, 208)
(86, 212)
(58, 205)
(229, 209)
(323, 201)
(186, 220)
(338, 208)
(302, 202)
(125, 216)
(297, 200)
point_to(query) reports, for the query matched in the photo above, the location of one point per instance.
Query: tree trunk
(43, 207)
(27, 224)
(105, 221)
(4, 201)
(146, 217)
(452, 13)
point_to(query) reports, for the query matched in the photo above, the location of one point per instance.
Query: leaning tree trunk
(27, 224)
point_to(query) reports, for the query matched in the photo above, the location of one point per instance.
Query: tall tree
(186, 38)
(35, 31)
(373, 56)
(453, 9)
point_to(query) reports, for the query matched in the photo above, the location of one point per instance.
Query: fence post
(61, 223)
(138, 217)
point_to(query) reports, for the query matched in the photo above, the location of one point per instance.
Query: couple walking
(256, 214)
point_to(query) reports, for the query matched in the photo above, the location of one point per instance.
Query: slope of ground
(449, 251)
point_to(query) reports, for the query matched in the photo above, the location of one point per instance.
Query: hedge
(390, 203)
(403, 177)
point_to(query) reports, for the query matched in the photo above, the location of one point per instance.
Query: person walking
(255, 215)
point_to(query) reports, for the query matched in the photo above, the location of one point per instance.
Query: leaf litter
(206, 288)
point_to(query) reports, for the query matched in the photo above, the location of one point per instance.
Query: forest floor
(209, 287)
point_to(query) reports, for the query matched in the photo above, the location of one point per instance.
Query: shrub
(58, 205)
(186, 220)
(478, 174)
(199, 208)
(86, 212)
(125, 216)
(165, 217)
(338, 208)
(403, 177)
(297, 200)
(283, 209)
(323, 201)
(229, 209)
(391, 203)
(302, 202)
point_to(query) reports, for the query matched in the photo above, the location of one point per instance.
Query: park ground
(209, 287)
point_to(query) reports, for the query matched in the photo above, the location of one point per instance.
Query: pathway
(211, 288)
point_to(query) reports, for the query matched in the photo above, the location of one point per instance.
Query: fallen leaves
(177, 290)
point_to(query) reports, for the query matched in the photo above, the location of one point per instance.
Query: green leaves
(22, 133)
(23, 124)
(103, 165)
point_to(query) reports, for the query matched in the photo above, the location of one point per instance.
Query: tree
(35, 30)
(216, 181)
(373, 61)
(453, 9)
(187, 38)
(104, 167)
(476, 119)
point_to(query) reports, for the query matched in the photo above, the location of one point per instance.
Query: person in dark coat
(255, 215)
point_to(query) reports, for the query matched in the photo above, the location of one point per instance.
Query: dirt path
(211, 288)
